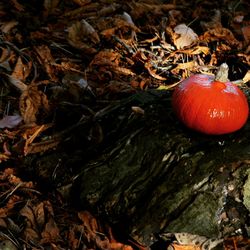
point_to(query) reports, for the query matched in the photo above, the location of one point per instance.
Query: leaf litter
(78, 53)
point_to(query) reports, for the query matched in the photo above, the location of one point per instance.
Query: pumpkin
(209, 104)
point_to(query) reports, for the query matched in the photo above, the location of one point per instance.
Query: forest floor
(65, 61)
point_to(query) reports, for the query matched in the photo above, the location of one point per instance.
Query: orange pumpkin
(210, 106)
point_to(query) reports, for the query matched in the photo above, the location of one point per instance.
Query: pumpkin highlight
(210, 106)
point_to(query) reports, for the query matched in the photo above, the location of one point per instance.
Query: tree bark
(157, 176)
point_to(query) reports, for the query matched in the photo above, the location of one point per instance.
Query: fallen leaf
(246, 33)
(221, 34)
(46, 60)
(184, 247)
(6, 27)
(21, 70)
(138, 110)
(17, 5)
(50, 5)
(246, 78)
(82, 35)
(31, 102)
(82, 2)
(51, 232)
(10, 121)
(188, 241)
(40, 215)
(184, 36)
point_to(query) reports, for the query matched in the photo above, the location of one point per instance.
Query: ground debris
(65, 66)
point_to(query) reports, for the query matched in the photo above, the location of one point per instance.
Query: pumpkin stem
(222, 73)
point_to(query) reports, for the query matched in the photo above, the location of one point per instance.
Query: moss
(246, 192)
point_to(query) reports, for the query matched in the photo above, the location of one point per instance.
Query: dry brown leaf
(214, 23)
(7, 26)
(3, 223)
(31, 235)
(17, 83)
(185, 247)
(27, 212)
(50, 5)
(90, 225)
(184, 66)
(119, 246)
(246, 78)
(84, 11)
(39, 221)
(30, 134)
(138, 110)
(72, 238)
(4, 157)
(13, 200)
(14, 180)
(184, 36)
(46, 60)
(31, 102)
(236, 242)
(246, 33)
(5, 55)
(17, 5)
(152, 71)
(50, 232)
(21, 70)
(40, 215)
(221, 34)
(106, 57)
(49, 208)
(41, 147)
(108, 10)
(108, 62)
(83, 36)
(82, 2)
(3, 212)
(121, 26)
(198, 50)
(175, 17)
(7, 172)
(192, 241)
(88, 220)
(140, 9)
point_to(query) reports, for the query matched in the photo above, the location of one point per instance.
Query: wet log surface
(151, 175)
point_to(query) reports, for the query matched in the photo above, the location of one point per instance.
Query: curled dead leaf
(46, 60)
(31, 102)
(82, 35)
(108, 10)
(138, 110)
(214, 23)
(50, 5)
(153, 72)
(50, 232)
(221, 34)
(184, 36)
(246, 33)
(21, 70)
(184, 66)
(81, 2)
(191, 241)
(246, 78)
(7, 26)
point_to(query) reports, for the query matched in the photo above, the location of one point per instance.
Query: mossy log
(149, 174)
(155, 175)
